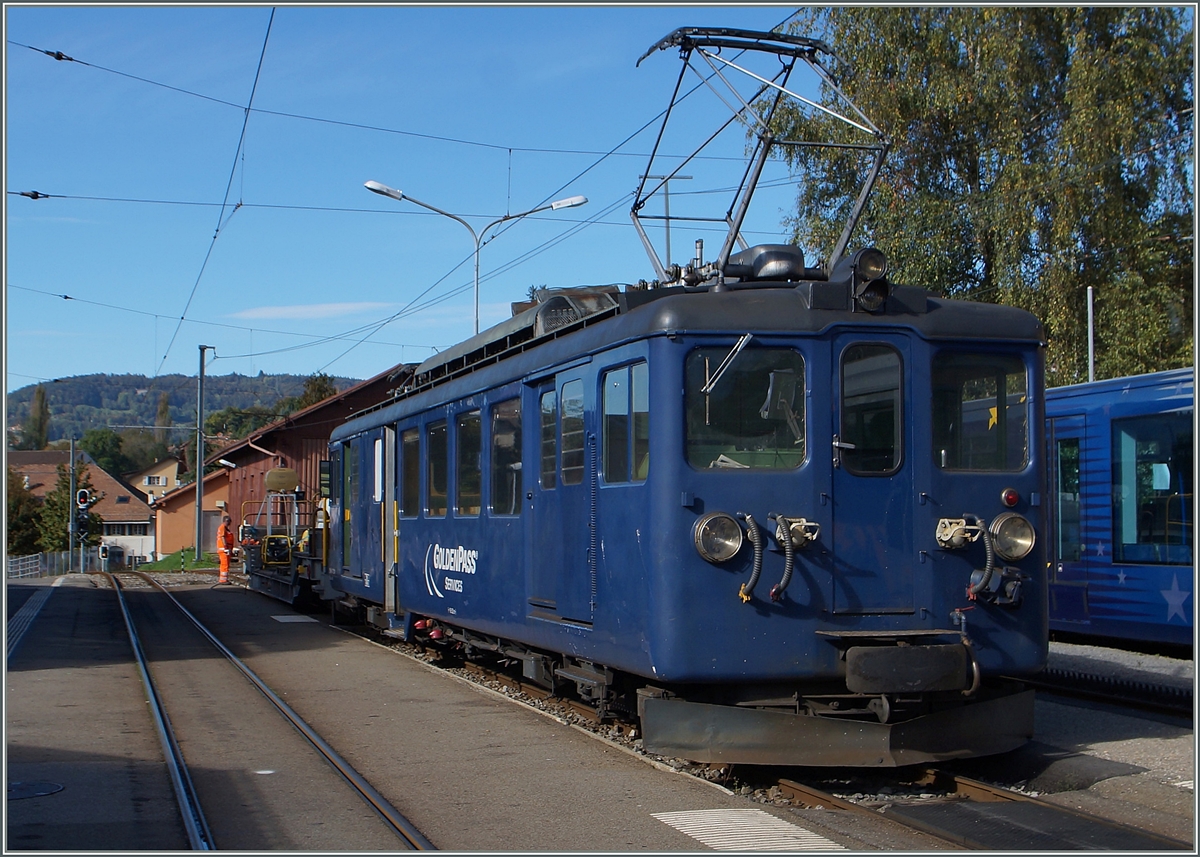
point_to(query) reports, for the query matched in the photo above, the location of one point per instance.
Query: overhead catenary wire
(359, 126)
(415, 304)
(197, 321)
(374, 328)
(570, 231)
(228, 187)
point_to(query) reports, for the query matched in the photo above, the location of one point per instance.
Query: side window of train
(872, 418)
(1152, 488)
(468, 492)
(1065, 491)
(548, 421)
(571, 437)
(980, 411)
(506, 458)
(410, 473)
(377, 460)
(437, 463)
(625, 432)
(749, 416)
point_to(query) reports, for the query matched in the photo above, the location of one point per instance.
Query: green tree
(53, 532)
(317, 388)
(239, 422)
(104, 446)
(21, 534)
(1036, 151)
(162, 419)
(37, 427)
(142, 448)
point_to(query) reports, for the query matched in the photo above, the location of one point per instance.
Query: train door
(1068, 559)
(872, 476)
(390, 516)
(349, 470)
(559, 492)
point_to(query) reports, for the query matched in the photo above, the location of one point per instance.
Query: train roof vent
(767, 262)
(564, 307)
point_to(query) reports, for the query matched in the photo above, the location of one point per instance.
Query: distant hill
(85, 402)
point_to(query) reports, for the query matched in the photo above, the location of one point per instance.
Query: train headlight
(1012, 536)
(871, 287)
(718, 536)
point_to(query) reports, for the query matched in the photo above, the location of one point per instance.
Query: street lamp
(384, 190)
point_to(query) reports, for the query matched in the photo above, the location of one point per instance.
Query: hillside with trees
(164, 407)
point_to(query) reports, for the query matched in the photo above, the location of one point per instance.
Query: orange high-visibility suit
(224, 548)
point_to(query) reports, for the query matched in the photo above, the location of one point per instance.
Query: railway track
(185, 668)
(1144, 696)
(970, 814)
(957, 810)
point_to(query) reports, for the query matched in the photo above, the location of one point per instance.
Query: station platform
(471, 769)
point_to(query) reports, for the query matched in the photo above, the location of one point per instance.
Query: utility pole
(1091, 330)
(72, 514)
(200, 457)
(666, 180)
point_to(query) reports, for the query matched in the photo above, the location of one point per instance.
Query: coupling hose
(783, 534)
(756, 539)
(990, 563)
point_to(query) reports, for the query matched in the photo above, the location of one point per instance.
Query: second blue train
(1123, 551)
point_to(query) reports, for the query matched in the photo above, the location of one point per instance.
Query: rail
(400, 825)
(199, 835)
(979, 816)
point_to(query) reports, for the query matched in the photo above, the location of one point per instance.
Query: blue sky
(479, 111)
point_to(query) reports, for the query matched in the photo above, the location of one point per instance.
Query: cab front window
(980, 411)
(749, 416)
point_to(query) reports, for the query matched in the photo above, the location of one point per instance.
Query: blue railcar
(1122, 552)
(779, 513)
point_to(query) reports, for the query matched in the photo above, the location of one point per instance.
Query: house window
(126, 529)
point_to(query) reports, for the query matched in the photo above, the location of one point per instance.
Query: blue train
(1121, 482)
(779, 513)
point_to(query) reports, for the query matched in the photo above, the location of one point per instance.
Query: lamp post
(384, 190)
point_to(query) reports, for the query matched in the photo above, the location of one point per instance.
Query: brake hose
(783, 534)
(756, 539)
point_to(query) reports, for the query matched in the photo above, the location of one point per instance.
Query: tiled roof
(119, 503)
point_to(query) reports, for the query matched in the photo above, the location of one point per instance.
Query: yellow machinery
(270, 536)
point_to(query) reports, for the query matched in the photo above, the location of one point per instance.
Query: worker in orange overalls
(224, 547)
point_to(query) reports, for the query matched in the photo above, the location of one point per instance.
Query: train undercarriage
(814, 724)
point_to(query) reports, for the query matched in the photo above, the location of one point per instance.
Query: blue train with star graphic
(1122, 550)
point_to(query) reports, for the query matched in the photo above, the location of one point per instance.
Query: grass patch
(184, 560)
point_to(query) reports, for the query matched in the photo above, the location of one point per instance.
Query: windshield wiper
(737, 349)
